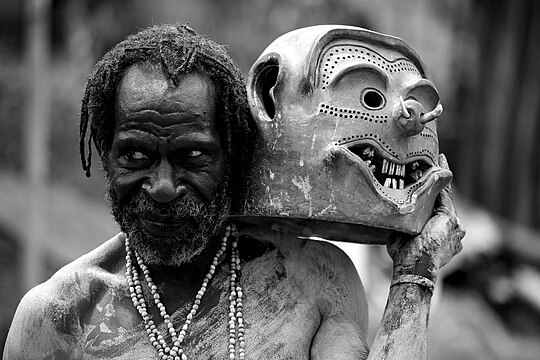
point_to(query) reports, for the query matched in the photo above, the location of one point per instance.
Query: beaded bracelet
(414, 279)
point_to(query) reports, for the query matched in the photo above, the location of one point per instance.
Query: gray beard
(205, 222)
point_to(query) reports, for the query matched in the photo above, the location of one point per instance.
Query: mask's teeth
(398, 170)
(392, 168)
(394, 183)
(385, 166)
(370, 166)
(387, 182)
(403, 170)
(368, 152)
(401, 184)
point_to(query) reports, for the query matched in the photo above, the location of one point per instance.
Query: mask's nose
(410, 116)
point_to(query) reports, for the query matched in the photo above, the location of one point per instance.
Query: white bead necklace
(173, 351)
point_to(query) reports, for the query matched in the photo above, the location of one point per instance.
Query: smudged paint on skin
(109, 311)
(104, 328)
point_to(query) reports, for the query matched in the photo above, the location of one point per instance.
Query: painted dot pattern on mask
(352, 114)
(386, 146)
(425, 152)
(369, 136)
(429, 136)
(410, 190)
(339, 53)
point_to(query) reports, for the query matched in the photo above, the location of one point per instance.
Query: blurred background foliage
(483, 56)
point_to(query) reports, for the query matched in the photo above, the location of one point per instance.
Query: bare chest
(280, 320)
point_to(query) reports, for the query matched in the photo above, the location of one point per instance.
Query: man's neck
(193, 269)
(178, 285)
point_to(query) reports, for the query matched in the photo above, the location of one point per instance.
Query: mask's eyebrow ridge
(422, 84)
(374, 70)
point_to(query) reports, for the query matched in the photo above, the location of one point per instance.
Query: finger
(461, 229)
(396, 241)
(445, 204)
(458, 234)
(458, 247)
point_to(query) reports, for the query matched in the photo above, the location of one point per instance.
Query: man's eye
(194, 153)
(136, 155)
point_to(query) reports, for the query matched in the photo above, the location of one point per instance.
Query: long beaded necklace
(174, 351)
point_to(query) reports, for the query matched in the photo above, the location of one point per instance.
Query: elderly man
(168, 114)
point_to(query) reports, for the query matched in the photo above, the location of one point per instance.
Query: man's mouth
(163, 226)
(388, 173)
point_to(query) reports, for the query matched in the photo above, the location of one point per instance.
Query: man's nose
(162, 185)
(410, 116)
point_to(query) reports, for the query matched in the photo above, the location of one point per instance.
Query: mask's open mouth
(388, 173)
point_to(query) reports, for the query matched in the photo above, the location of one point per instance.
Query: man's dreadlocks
(180, 50)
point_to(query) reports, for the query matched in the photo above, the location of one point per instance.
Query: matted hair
(180, 50)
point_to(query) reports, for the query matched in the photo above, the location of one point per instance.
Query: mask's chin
(400, 183)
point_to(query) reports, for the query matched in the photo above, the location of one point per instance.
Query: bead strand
(174, 352)
(236, 324)
(139, 302)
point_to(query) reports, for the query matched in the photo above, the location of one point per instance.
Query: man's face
(166, 168)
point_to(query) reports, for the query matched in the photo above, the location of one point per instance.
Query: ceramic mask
(348, 121)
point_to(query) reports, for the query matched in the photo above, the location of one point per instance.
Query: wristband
(414, 279)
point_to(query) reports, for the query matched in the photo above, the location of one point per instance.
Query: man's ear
(262, 81)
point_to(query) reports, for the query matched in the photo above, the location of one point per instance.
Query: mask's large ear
(261, 87)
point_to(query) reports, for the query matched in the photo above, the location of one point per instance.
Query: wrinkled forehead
(340, 57)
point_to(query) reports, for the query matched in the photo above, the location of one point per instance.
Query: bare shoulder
(327, 275)
(49, 315)
(340, 297)
(325, 261)
(322, 268)
(324, 252)
(334, 272)
(81, 279)
(342, 301)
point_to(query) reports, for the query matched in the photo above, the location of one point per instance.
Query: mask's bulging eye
(372, 99)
